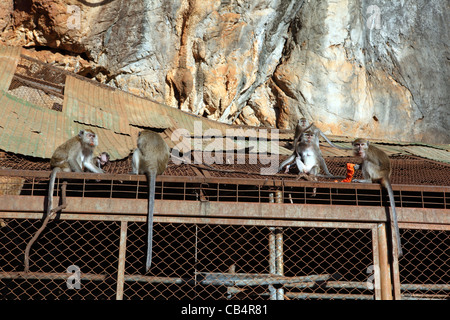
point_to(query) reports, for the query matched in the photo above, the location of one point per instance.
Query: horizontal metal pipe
(214, 278)
(328, 296)
(274, 182)
(426, 287)
(152, 279)
(50, 276)
(206, 209)
(331, 285)
(425, 297)
(233, 279)
(197, 220)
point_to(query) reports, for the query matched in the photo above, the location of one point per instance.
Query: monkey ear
(81, 133)
(367, 141)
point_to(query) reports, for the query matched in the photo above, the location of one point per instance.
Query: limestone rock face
(354, 67)
(380, 76)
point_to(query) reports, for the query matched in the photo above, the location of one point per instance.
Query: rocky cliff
(370, 68)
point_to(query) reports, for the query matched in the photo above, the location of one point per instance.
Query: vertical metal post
(276, 264)
(272, 255)
(385, 273)
(376, 264)
(272, 262)
(395, 267)
(122, 254)
(279, 249)
(111, 189)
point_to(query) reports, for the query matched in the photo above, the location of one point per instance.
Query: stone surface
(376, 69)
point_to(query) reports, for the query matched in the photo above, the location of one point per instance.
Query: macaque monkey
(150, 158)
(102, 159)
(307, 156)
(376, 167)
(303, 125)
(74, 155)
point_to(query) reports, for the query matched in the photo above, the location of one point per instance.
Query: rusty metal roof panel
(213, 144)
(174, 139)
(36, 131)
(181, 120)
(142, 112)
(121, 111)
(429, 153)
(263, 146)
(22, 131)
(390, 149)
(32, 130)
(329, 151)
(9, 57)
(87, 103)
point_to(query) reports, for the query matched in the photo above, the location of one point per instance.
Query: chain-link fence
(313, 260)
(189, 261)
(219, 238)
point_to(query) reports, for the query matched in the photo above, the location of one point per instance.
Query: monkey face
(308, 137)
(90, 138)
(303, 122)
(103, 158)
(359, 149)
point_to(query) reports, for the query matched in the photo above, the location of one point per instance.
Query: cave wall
(369, 68)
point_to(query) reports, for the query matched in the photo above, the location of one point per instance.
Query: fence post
(121, 265)
(276, 264)
(272, 255)
(385, 274)
(395, 271)
(279, 248)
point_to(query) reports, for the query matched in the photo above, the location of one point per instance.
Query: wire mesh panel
(65, 246)
(217, 239)
(341, 259)
(198, 261)
(229, 257)
(213, 261)
(173, 259)
(195, 261)
(425, 267)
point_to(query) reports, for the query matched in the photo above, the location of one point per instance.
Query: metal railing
(220, 238)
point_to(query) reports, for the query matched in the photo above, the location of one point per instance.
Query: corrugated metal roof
(117, 116)
(87, 103)
(429, 153)
(35, 131)
(142, 112)
(264, 146)
(24, 127)
(9, 57)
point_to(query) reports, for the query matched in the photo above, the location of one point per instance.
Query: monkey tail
(151, 179)
(394, 220)
(51, 189)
